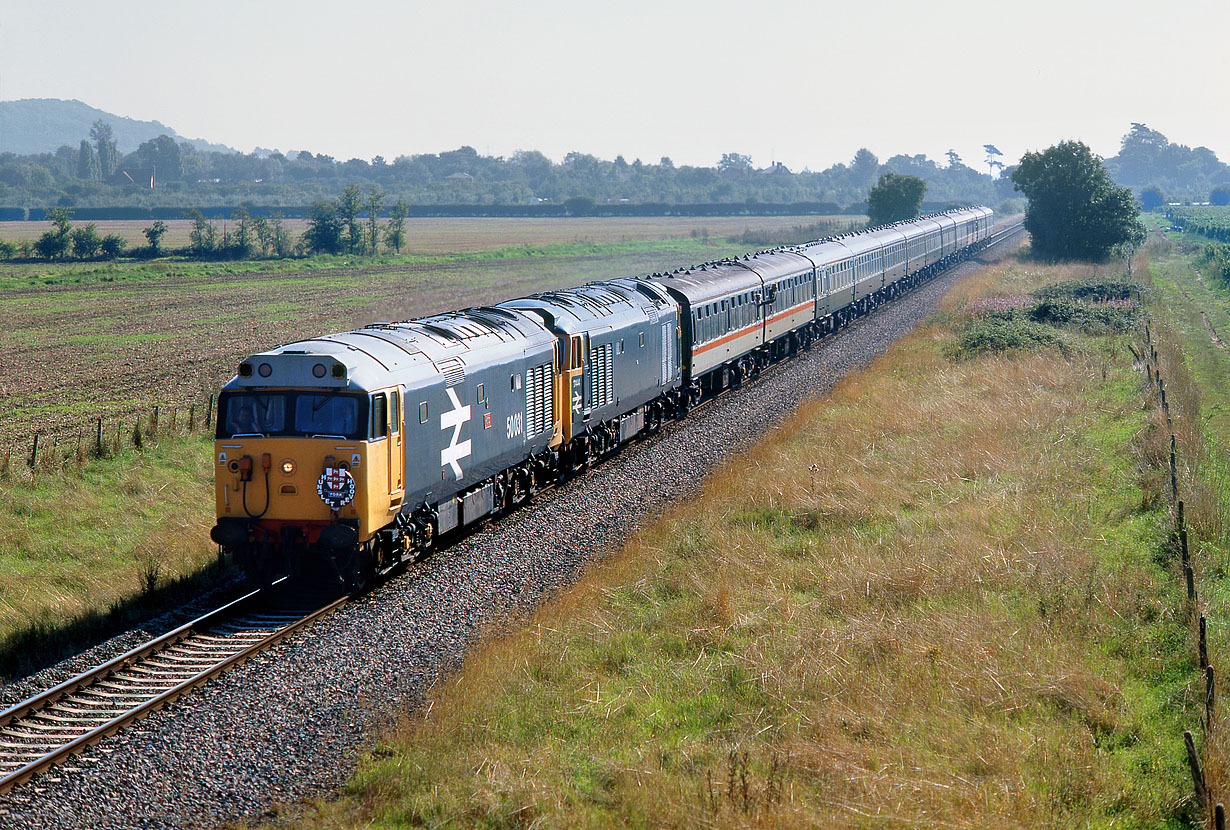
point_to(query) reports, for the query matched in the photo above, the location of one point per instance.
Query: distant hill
(43, 125)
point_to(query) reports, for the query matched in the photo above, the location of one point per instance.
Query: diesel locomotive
(352, 453)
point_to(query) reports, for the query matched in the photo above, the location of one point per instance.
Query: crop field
(1206, 220)
(433, 235)
(84, 341)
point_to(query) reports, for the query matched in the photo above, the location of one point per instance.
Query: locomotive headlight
(288, 467)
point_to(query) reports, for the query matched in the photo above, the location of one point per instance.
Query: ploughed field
(89, 340)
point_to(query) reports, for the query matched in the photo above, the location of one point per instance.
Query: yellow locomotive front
(306, 474)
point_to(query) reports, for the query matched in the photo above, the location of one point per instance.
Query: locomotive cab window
(394, 412)
(380, 416)
(480, 395)
(291, 413)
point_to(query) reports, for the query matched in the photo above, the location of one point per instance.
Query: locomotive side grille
(604, 376)
(453, 370)
(539, 402)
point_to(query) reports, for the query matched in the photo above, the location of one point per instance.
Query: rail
(49, 728)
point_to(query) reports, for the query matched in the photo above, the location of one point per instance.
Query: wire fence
(108, 438)
(1206, 798)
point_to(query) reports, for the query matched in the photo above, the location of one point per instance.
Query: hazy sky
(804, 84)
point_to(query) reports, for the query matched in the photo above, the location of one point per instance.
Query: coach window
(380, 416)
(423, 412)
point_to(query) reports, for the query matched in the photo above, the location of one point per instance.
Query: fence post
(100, 437)
(209, 413)
(1204, 643)
(1191, 582)
(1210, 696)
(34, 452)
(191, 418)
(1219, 817)
(1193, 763)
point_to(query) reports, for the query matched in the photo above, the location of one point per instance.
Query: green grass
(80, 543)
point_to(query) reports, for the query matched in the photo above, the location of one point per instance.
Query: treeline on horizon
(527, 183)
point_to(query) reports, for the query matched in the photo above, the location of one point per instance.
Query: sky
(804, 84)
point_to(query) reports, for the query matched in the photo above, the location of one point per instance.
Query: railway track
(51, 727)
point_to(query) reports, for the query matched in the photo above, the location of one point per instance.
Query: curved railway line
(48, 729)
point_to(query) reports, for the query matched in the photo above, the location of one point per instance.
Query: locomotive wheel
(361, 567)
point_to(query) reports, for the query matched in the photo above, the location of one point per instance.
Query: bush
(1091, 319)
(1089, 289)
(112, 246)
(1003, 332)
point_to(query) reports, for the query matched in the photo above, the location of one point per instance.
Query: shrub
(1002, 332)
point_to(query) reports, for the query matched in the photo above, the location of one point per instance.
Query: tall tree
(348, 206)
(895, 197)
(992, 161)
(241, 240)
(1075, 210)
(375, 200)
(87, 163)
(105, 145)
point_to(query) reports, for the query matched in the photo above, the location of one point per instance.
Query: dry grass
(930, 600)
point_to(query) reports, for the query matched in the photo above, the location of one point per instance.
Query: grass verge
(938, 597)
(88, 549)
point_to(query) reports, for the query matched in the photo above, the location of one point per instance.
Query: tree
(154, 234)
(241, 240)
(895, 197)
(165, 156)
(263, 233)
(954, 159)
(1075, 211)
(324, 228)
(105, 145)
(54, 243)
(395, 230)
(87, 163)
(202, 239)
(375, 200)
(1151, 198)
(993, 163)
(279, 235)
(735, 165)
(86, 241)
(348, 205)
